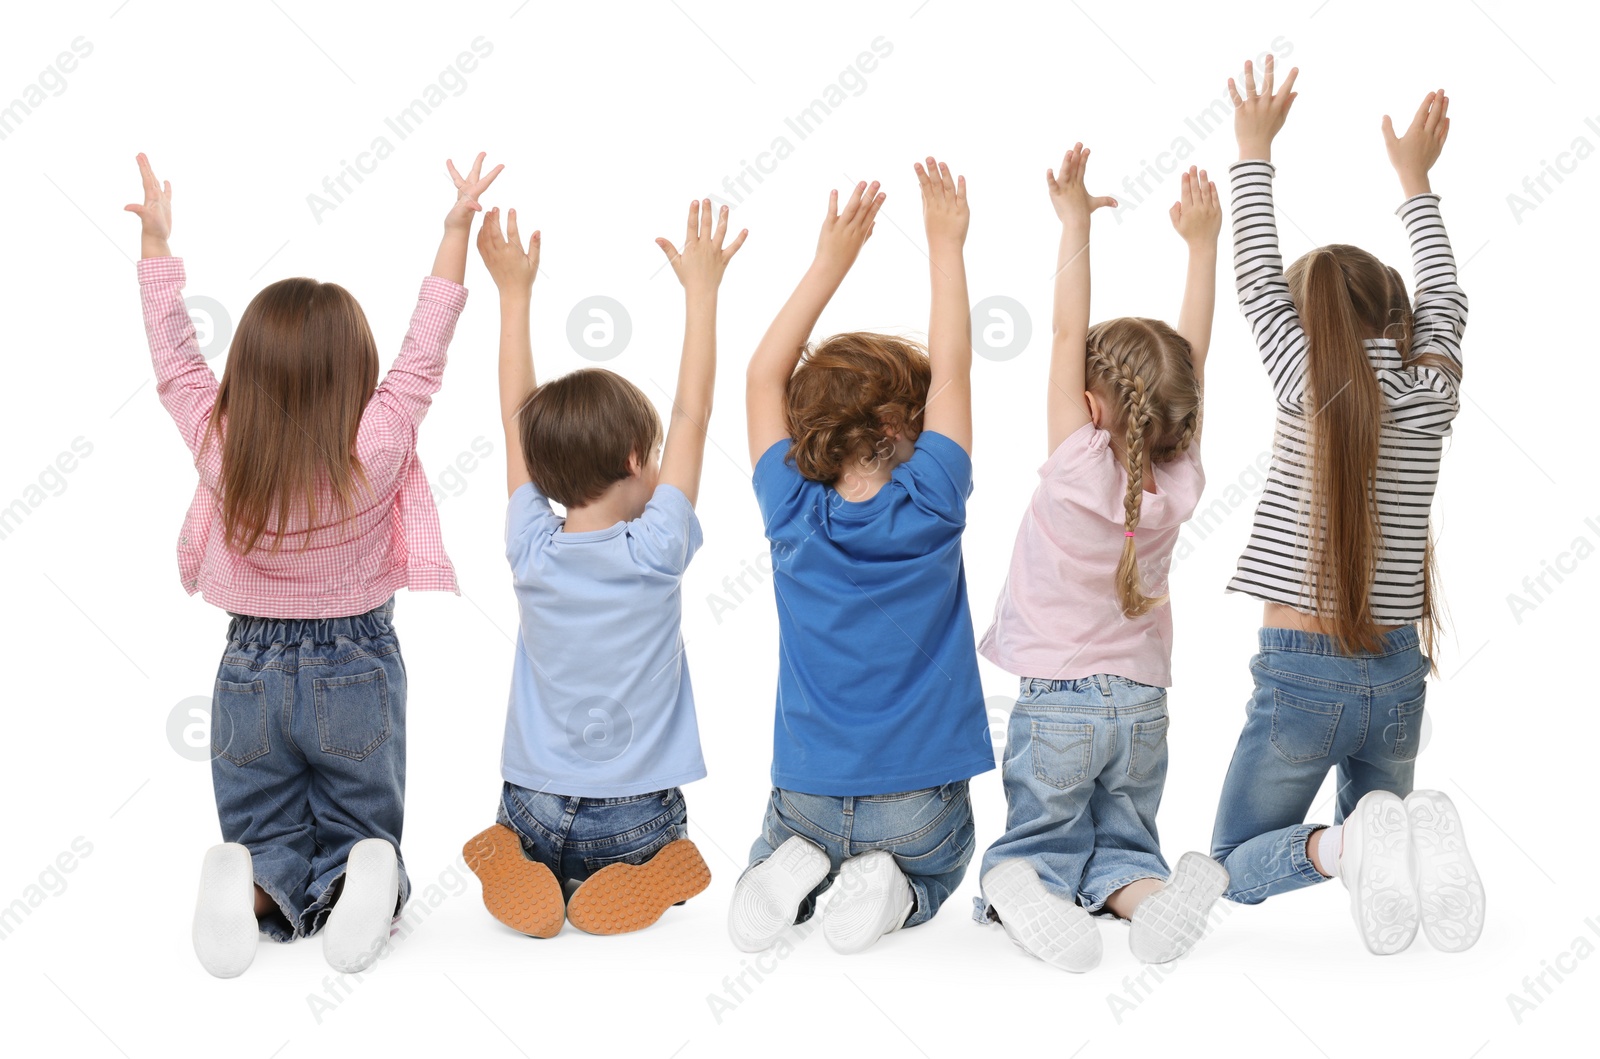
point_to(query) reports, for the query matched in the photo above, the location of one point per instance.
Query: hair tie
(1128, 534)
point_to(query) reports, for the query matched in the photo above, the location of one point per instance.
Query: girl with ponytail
(1084, 621)
(1367, 386)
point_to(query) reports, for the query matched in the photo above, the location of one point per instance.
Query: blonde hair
(1143, 371)
(1344, 295)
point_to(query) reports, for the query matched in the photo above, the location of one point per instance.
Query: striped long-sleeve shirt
(1420, 403)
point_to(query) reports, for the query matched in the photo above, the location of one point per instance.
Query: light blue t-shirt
(601, 705)
(878, 689)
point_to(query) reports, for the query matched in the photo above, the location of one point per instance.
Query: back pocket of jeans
(239, 721)
(1402, 732)
(1147, 750)
(654, 845)
(352, 713)
(1061, 752)
(1302, 729)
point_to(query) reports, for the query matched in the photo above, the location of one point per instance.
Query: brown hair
(1143, 371)
(1343, 296)
(848, 394)
(301, 369)
(579, 430)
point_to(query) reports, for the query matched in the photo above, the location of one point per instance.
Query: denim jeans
(929, 832)
(308, 753)
(576, 837)
(1314, 708)
(1085, 764)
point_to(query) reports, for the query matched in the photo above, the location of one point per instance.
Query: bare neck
(611, 508)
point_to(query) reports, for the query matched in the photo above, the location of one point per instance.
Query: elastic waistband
(1101, 682)
(1316, 643)
(379, 621)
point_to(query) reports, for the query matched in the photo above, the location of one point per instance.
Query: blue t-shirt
(878, 687)
(601, 705)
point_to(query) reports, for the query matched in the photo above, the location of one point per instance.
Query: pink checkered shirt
(333, 569)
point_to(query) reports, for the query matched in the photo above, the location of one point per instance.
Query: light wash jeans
(930, 832)
(308, 753)
(1085, 763)
(1314, 709)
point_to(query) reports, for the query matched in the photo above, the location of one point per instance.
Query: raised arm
(513, 271)
(767, 377)
(1257, 262)
(1197, 216)
(451, 261)
(406, 391)
(945, 216)
(699, 267)
(1066, 407)
(1440, 305)
(184, 381)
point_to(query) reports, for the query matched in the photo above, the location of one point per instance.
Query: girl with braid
(1084, 620)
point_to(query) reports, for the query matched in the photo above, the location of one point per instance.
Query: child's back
(1367, 386)
(336, 555)
(311, 510)
(878, 687)
(861, 450)
(601, 729)
(1083, 618)
(1059, 614)
(600, 697)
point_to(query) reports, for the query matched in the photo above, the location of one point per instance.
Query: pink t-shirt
(1058, 617)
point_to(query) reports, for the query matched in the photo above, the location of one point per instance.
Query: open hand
(1413, 154)
(1197, 215)
(155, 215)
(511, 269)
(944, 203)
(845, 231)
(699, 265)
(1068, 195)
(1257, 116)
(468, 189)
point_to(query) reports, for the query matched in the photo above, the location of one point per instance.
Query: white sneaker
(357, 930)
(1377, 867)
(767, 897)
(225, 927)
(1167, 924)
(871, 898)
(1045, 926)
(1449, 891)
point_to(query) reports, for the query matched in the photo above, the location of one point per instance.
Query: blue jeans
(576, 837)
(1085, 764)
(929, 832)
(1314, 708)
(308, 753)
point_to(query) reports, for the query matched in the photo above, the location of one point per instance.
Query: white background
(609, 118)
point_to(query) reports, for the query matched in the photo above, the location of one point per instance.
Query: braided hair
(1142, 371)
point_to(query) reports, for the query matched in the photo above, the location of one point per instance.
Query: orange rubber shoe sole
(621, 898)
(521, 893)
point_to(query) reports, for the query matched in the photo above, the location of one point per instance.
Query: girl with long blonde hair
(1367, 386)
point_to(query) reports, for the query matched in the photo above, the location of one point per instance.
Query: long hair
(1143, 371)
(301, 369)
(848, 394)
(1344, 296)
